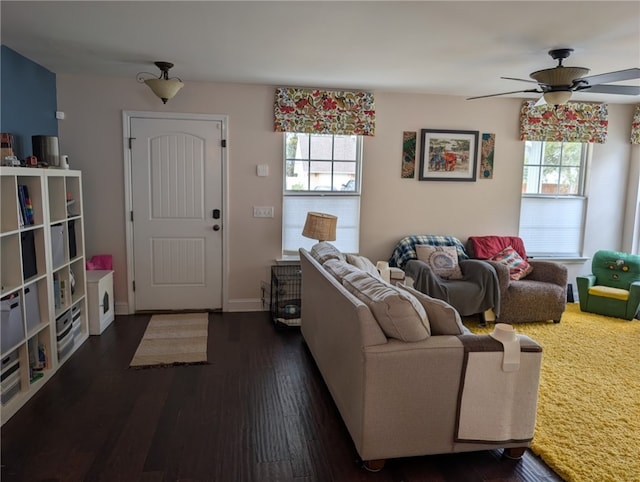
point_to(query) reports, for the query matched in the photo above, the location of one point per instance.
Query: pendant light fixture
(164, 87)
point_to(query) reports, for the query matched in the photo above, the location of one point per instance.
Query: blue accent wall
(29, 100)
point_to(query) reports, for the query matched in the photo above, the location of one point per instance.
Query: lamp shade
(320, 226)
(164, 88)
(557, 97)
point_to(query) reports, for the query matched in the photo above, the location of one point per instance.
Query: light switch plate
(263, 170)
(262, 211)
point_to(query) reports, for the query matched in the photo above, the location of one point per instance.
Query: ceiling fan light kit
(558, 83)
(557, 97)
(164, 87)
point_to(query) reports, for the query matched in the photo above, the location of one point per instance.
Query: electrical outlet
(262, 211)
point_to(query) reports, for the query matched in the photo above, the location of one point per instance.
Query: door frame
(128, 194)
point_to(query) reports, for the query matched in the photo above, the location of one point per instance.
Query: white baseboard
(245, 304)
(240, 304)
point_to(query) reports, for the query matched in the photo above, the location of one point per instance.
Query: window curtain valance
(324, 111)
(570, 122)
(635, 127)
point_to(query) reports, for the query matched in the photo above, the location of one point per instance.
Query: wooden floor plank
(258, 411)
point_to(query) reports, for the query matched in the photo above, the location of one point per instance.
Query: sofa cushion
(443, 318)
(399, 314)
(324, 251)
(443, 260)
(364, 264)
(339, 269)
(518, 267)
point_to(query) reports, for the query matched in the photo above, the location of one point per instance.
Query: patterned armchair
(613, 288)
(540, 295)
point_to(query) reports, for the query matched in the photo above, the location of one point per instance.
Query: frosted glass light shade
(557, 97)
(320, 226)
(165, 89)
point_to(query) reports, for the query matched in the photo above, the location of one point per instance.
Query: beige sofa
(440, 394)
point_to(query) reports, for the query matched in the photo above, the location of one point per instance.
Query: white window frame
(552, 225)
(343, 204)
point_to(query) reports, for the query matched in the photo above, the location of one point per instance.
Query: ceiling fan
(558, 83)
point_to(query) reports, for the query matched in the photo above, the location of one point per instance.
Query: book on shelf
(56, 291)
(26, 206)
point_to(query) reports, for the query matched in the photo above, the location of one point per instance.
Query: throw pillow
(339, 269)
(364, 264)
(518, 267)
(324, 251)
(399, 314)
(443, 260)
(443, 318)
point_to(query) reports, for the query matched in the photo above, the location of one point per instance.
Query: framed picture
(448, 155)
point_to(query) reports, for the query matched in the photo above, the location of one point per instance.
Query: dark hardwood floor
(259, 411)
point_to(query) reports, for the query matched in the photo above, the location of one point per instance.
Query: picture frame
(448, 155)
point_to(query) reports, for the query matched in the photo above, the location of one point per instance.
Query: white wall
(91, 135)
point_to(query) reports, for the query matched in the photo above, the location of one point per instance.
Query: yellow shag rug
(588, 420)
(175, 339)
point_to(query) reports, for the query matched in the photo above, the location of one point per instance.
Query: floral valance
(570, 122)
(635, 127)
(324, 111)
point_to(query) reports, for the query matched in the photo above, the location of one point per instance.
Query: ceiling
(447, 47)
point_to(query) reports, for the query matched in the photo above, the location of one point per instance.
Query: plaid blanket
(405, 249)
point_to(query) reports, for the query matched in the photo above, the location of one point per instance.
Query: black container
(46, 149)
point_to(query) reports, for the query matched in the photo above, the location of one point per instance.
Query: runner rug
(173, 339)
(588, 417)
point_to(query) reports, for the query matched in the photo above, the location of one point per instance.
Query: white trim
(128, 204)
(245, 304)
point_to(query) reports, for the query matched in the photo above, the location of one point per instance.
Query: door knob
(216, 227)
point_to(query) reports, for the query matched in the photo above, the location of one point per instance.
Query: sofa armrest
(403, 403)
(549, 272)
(502, 272)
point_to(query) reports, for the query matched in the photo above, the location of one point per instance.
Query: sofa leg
(514, 453)
(556, 321)
(374, 465)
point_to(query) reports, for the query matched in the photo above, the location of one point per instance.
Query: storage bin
(10, 392)
(31, 306)
(57, 245)
(29, 264)
(12, 327)
(63, 322)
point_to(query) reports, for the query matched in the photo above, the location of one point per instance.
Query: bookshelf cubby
(42, 276)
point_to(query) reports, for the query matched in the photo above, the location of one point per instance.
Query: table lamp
(320, 226)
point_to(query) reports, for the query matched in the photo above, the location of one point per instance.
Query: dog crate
(286, 294)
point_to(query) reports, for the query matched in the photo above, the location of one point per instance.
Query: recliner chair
(613, 288)
(540, 296)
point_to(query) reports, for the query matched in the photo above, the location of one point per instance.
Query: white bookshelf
(44, 302)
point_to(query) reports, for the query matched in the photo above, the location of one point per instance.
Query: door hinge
(131, 141)
(223, 143)
(134, 285)
(131, 216)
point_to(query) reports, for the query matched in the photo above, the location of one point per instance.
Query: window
(553, 202)
(321, 173)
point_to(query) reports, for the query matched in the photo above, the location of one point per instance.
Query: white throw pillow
(324, 251)
(443, 318)
(399, 314)
(443, 260)
(339, 269)
(364, 264)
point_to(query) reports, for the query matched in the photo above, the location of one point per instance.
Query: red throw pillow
(518, 267)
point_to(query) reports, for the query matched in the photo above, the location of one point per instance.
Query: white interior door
(176, 173)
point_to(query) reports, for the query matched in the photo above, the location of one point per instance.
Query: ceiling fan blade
(618, 76)
(521, 80)
(610, 89)
(505, 93)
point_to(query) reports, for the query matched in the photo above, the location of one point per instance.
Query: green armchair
(613, 288)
